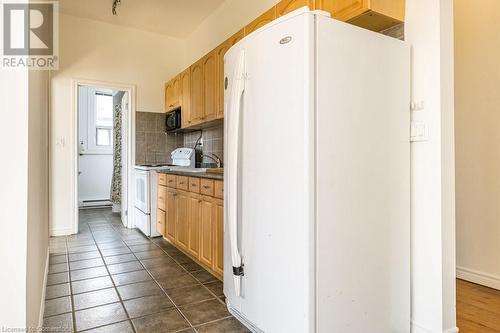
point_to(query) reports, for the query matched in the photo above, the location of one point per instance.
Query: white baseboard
(418, 328)
(44, 290)
(484, 279)
(61, 232)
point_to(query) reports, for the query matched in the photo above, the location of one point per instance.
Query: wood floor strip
(478, 308)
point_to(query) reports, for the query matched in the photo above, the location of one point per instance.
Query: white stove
(146, 189)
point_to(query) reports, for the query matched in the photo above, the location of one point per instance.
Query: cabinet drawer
(171, 181)
(182, 183)
(162, 179)
(160, 222)
(207, 187)
(162, 196)
(194, 185)
(219, 190)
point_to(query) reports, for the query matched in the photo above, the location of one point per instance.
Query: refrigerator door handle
(234, 154)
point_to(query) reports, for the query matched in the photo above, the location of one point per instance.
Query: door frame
(131, 90)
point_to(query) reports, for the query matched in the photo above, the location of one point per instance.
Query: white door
(95, 112)
(269, 161)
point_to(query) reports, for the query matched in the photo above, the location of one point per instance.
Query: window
(104, 119)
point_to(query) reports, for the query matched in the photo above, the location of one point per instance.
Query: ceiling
(175, 18)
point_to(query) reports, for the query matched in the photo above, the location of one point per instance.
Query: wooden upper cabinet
(209, 86)
(185, 81)
(220, 52)
(286, 6)
(343, 9)
(173, 94)
(261, 21)
(375, 15)
(197, 93)
(169, 95)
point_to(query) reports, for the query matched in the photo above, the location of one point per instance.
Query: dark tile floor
(112, 279)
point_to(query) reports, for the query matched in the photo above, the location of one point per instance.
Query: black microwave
(173, 121)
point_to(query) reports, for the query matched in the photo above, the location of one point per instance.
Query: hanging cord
(198, 141)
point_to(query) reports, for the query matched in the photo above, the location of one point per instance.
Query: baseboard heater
(95, 203)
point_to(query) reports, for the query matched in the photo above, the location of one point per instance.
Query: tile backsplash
(213, 142)
(152, 143)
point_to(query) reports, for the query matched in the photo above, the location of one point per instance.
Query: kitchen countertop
(207, 175)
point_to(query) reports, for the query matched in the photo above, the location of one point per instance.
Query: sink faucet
(213, 157)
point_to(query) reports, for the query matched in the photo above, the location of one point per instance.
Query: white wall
(23, 195)
(226, 20)
(477, 119)
(38, 193)
(429, 29)
(13, 196)
(99, 51)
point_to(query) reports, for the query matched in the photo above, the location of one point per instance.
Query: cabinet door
(343, 9)
(206, 231)
(197, 93)
(170, 215)
(162, 197)
(209, 86)
(286, 6)
(181, 228)
(160, 222)
(194, 220)
(220, 52)
(261, 21)
(218, 264)
(169, 96)
(185, 79)
(176, 90)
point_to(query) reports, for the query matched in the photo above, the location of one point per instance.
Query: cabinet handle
(181, 183)
(199, 201)
(206, 187)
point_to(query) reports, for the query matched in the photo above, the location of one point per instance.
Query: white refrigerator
(317, 178)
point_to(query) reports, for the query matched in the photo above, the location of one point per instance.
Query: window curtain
(116, 183)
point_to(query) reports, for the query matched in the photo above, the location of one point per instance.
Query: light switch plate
(419, 131)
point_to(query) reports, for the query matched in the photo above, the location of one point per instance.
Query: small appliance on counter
(146, 180)
(184, 158)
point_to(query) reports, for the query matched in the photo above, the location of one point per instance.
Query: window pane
(104, 111)
(104, 137)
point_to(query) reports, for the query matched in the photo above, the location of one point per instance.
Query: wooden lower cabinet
(218, 264)
(170, 223)
(207, 231)
(160, 222)
(181, 219)
(194, 222)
